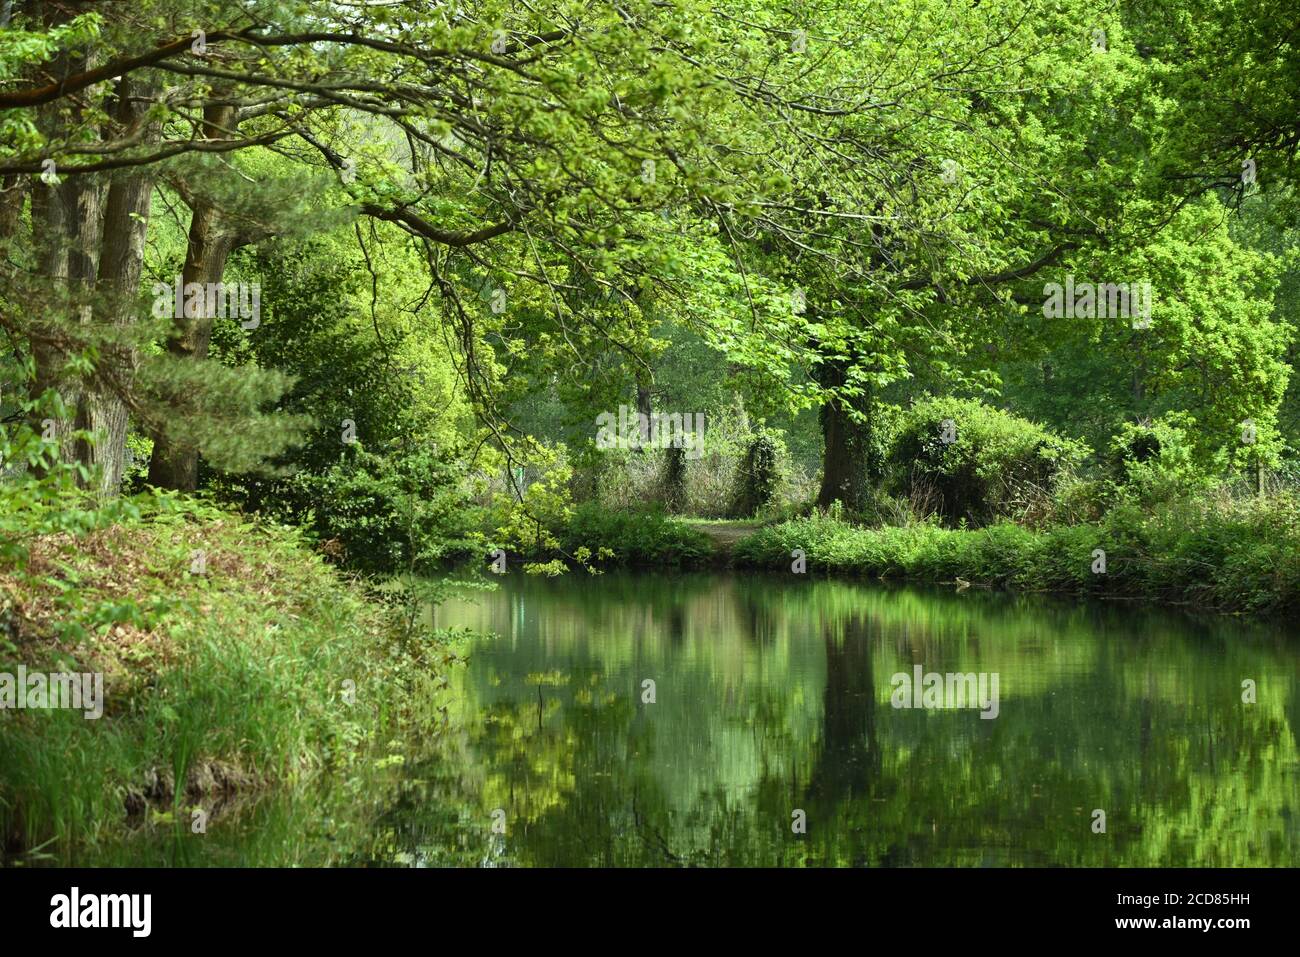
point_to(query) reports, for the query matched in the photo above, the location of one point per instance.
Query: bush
(976, 463)
(675, 477)
(711, 490)
(708, 485)
(647, 537)
(758, 474)
(1153, 462)
(1075, 500)
(621, 478)
(1216, 552)
(382, 514)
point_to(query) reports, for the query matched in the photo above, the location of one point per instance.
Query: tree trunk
(643, 395)
(173, 465)
(66, 230)
(12, 195)
(48, 229)
(66, 224)
(126, 225)
(846, 459)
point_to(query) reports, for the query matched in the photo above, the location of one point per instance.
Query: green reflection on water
(772, 694)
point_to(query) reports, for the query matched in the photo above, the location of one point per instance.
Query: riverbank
(1238, 557)
(1215, 554)
(233, 659)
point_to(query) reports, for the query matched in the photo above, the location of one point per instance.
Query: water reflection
(773, 696)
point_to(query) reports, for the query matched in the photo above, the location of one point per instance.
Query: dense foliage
(955, 291)
(972, 463)
(645, 538)
(1232, 557)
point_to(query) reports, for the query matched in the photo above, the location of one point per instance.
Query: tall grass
(238, 683)
(1230, 555)
(635, 537)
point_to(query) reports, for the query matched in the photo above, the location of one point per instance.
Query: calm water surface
(772, 705)
(773, 695)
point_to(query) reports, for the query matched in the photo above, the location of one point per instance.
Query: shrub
(387, 513)
(528, 509)
(675, 477)
(1216, 552)
(758, 474)
(978, 463)
(1153, 462)
(646, 537)
(1074, 500)
(707, 485)
(620, 478)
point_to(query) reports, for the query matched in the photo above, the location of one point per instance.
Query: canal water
(632, 719)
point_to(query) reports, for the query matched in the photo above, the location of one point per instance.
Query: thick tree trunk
(846, 459)
(12, 195)
(643, 396)
(126, 224)
(66, 224)
(173, 465)
(49, 226)
(66, 230)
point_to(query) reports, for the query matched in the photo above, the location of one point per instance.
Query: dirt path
(725, 536)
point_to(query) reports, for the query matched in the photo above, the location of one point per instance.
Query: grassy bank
(233, 658)
(644, 538)
(1231, 556)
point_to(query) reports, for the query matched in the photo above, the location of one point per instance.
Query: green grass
(234, 679)
(1241, 557)
(640, 538)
